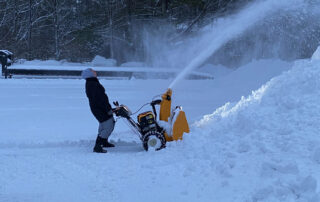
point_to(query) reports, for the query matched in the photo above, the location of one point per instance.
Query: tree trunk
(164, 5)
(111, 30)
(30, 31)
(56, 30)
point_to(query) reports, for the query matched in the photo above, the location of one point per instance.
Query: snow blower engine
(152, 132)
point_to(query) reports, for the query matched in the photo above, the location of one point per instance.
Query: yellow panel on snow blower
(180, 124)
(165, 105)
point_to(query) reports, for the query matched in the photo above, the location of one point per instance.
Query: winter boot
(106, 143)
(98, 146)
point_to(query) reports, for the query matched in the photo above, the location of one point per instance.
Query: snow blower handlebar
(123, 111)
(153, 104)
(165, 105)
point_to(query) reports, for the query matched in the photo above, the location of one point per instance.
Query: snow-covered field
(264, 147)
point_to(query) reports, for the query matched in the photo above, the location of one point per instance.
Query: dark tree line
(77, 30)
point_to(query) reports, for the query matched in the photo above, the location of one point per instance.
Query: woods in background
(77, 30)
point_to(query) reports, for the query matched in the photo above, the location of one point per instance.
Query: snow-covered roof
(6, 52)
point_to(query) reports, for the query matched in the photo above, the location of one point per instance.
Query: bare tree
(80, 29)
(60, 15)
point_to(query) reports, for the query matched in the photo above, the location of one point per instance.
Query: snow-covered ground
(254, 131)
(264, 147)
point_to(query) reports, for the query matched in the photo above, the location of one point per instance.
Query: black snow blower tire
(153, 141)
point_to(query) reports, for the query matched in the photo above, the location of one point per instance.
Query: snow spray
(233, 26)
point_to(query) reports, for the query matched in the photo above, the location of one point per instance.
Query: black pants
(5, 70)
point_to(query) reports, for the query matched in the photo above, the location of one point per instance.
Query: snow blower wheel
(154, 141)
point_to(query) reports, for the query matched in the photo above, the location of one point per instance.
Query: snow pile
(268, 143)
(316, 54)
(37, 62)
(45, 63)
(267, 67)
(99, 61)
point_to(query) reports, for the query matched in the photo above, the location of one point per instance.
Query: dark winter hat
(87, 73)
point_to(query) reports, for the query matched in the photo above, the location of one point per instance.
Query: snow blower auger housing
(154, 134)
(176, 120)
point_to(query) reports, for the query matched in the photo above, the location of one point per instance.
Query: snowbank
(270, 138)
(45, 63)
(316, 54)
(99, 61)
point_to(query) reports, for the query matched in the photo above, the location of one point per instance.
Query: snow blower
(152, 132)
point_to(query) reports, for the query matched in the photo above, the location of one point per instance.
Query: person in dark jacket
(100, 108)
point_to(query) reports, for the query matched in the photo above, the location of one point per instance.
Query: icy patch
(100, 61)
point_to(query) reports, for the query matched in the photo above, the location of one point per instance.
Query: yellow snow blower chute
(154, 134)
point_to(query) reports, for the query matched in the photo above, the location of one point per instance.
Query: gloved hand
(116, 111)
(116, 103)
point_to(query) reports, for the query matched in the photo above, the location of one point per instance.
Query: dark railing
(105, 73)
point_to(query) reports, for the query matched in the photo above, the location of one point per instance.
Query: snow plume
(282, 29)
(269, 140)
(288, 35)
(232, 27)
